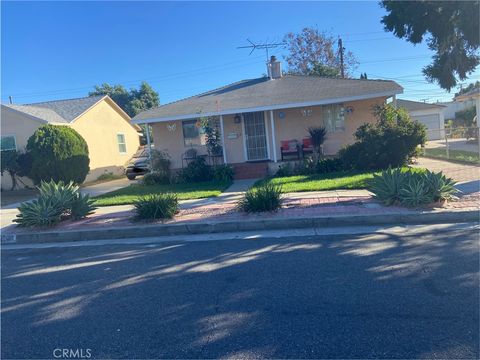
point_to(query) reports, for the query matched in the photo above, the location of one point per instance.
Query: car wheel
(131, 177)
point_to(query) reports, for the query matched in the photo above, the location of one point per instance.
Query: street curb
(434, 217)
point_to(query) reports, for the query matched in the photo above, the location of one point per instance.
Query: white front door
(255, 136)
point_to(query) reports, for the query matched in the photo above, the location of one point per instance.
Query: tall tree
(143, 99)
(451, 30)
(133, 101)
(468, 88)
(324, 70)
(117, 92)
(311, 48)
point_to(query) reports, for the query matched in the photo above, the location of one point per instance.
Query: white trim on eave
(268, 107)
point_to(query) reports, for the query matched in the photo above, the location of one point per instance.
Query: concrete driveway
(457, 171)
(393, 296)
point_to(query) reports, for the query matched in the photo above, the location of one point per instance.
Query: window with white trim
(8, 142)
(122, 145)
(194, 133)
(334, 117)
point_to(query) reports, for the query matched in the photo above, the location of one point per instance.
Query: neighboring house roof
(471, 93)
(66, 111)
(58, 111)
(416, 105)
(266, 94)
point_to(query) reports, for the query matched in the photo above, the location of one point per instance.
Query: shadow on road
(381, 297)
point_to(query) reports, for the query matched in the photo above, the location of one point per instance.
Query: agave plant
(81, 206)
(387, 185)
(415, 191)
(440, 187)
(42, 212)
(63, 194)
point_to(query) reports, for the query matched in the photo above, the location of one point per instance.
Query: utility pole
(340, 48)
(10, 99)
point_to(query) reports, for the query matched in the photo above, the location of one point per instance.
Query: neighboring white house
(430, 115)
(451, 107)
(461, 102)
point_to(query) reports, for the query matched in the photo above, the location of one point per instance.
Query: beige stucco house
(257, 116)
(112, 139)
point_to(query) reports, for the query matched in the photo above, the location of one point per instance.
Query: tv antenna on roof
(265, 46)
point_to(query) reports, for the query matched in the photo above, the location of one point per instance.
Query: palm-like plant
(318, 134)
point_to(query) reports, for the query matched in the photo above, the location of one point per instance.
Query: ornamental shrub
(391, 141)
(156, 206)
(197, 170)
(58, 153)
(266, 197)
(223, 173)
(155, 178)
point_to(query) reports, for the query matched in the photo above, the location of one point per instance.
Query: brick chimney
(274, 68)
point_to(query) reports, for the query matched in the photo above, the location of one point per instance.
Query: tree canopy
(131, 101)
(314, 52)
(468, 88)
(451, 30)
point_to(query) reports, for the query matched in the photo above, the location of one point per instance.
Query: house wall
(99, 127)
(433, 119)
(22, 127)
(293, 126)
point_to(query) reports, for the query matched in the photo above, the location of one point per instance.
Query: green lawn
(319, 182)
(458, 155)
(130, 194)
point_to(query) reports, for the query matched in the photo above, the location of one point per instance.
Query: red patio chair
(307, 147)
(289, 147)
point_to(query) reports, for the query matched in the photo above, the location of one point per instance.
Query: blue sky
(55, 50)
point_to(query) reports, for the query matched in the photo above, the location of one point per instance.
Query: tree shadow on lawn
(351, 297)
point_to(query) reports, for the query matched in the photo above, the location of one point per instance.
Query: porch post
(267, 138)
(394, 101)
(274, 141)
(224, 150)
(147, 130)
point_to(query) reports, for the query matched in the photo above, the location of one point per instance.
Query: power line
(155, 79)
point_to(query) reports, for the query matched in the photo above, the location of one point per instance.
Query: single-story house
(111, 137)
(259, 117)
(430, 115)
(471, 98)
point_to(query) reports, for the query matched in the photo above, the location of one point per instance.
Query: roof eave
(269, 107)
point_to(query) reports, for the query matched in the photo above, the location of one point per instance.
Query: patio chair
(307, 147)
(188, 155)
(289, 147)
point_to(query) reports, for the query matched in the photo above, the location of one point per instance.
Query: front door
(255, 136)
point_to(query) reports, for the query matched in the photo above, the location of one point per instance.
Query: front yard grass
(132, 193)
(329, 181)
(456, 155)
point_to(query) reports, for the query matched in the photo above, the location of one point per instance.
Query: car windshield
(141, 153)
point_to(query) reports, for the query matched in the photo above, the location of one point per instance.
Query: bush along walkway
(336, 207)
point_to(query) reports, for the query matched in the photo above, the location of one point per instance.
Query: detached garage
(430, 115)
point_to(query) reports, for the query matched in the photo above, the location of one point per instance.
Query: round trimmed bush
(58, 153)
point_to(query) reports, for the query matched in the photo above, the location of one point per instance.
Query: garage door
(432, 122)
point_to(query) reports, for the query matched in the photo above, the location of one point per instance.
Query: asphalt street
(352, 296)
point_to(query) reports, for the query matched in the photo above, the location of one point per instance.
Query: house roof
(473, 92)
(266, 94)
(58, 111)
(416, 105)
